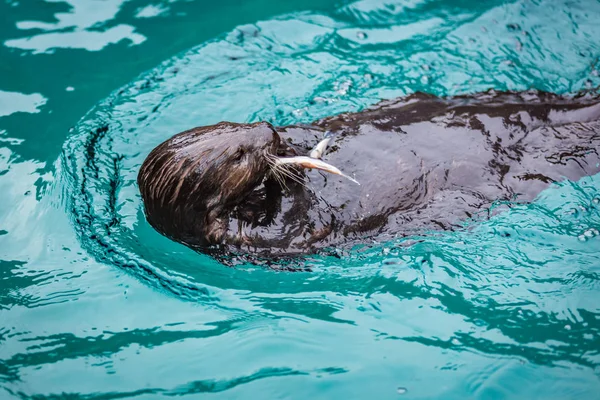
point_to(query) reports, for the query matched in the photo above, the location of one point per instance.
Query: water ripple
(510, 299)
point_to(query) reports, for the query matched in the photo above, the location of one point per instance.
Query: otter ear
(310, 163)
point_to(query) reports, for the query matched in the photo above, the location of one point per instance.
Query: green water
(94, 304)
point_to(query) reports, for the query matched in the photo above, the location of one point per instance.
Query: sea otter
(401, 167)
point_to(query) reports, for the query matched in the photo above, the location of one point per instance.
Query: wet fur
(423, 163)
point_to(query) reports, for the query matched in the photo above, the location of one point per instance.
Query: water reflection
(151, 11)
(14, 102)
(84, 26)
(88, 40)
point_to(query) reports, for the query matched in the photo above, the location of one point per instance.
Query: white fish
(312, 163)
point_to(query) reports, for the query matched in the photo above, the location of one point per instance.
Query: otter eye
(239, 154)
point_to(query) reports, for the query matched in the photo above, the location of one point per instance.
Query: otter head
(193, 182)
(189, 182)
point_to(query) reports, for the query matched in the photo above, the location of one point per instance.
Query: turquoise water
(94, 304)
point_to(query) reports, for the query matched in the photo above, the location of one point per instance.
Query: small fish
(313, 163)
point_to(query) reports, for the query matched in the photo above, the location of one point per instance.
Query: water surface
(95, 304)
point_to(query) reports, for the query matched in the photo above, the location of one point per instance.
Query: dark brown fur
(423, 163)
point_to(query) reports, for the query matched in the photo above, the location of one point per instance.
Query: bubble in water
(590, 233)
(342, 87)
(402, 390)
(299, 112)
(596, 200)
(361, 35)
(321, 99)
(568, 327)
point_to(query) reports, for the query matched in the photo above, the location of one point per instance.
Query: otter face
(190, 182)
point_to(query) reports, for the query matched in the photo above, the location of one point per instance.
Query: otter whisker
(286, 173)
(281, 172)
(280, 179)
(277, 174)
